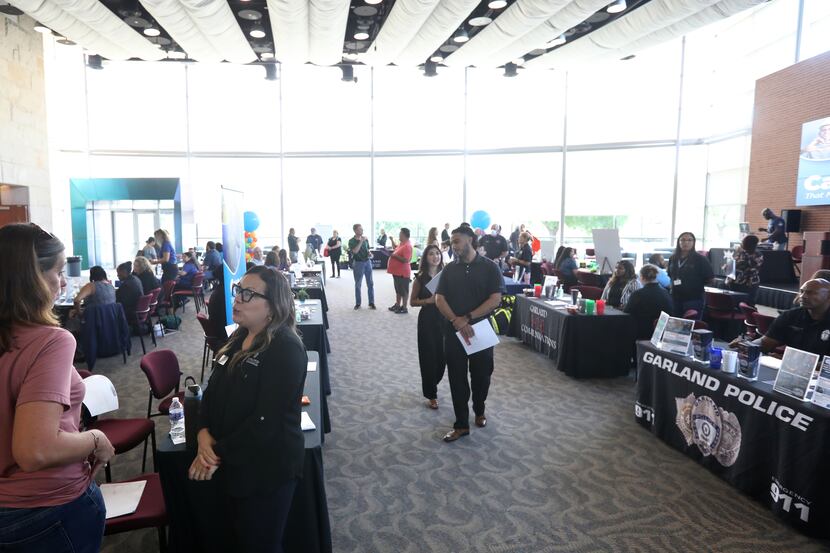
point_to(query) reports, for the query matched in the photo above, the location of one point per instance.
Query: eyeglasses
(245, 294)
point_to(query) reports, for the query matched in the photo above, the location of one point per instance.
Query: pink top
(398, 268)
(39, 368)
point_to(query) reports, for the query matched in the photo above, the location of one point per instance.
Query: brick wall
(23, 135)
(783, 102)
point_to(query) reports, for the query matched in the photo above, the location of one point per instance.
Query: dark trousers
(431, 350)
(253, 524)
(75, 527)
(681, 306)
(335, 263)
(480, 367)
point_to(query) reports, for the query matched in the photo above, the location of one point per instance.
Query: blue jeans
(361, 269)
(74, 527)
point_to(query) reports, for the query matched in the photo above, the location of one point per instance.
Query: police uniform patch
(730, 441)
(684, 417)
(706, 425)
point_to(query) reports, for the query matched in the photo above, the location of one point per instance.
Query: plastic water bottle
(176, 421)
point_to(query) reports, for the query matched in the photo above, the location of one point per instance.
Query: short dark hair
(648, 272)
(749, 243)
(151, 240)
(655, 259)
(210, 245)
(126, 267)
(465, 230)
(219, 247)
(97, 273)
(405, 231)
(354, 226)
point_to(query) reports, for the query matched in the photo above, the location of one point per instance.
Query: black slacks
(251, 524)
(335, 262)
(480, 367)
(431, 350)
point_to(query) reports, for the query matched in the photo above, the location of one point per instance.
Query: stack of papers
(485, 337)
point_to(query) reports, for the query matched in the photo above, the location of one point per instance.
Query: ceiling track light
(348, 73)
(361, 35)
(561, 39)
(437, 58)
(510, 70)
(373, 2)
(271, 73)
(41, 28)
(616, 6)
(430, 69)
(257, 31)
(497, 4)
(151, 31)
(461, 36)
(94, 61)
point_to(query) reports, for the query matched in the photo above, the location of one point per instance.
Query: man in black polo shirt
(494, 244)
(128, 291)
(469, 290)
(807, 327)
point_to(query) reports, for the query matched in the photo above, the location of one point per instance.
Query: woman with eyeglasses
(49, 501)
(689, 272)
(621, 285)
(250, 439)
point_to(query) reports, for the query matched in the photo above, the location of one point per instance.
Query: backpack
(171, 322)
(500, 320)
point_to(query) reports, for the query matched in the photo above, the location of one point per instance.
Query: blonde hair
(163, 235)
(142, 263)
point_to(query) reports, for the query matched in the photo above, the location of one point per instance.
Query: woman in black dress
(430, 325)
(335, 250)
(250, 438)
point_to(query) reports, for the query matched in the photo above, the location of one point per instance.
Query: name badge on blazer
(253, 361)
(222, 360)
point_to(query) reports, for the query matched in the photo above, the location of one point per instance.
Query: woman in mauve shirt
(49, 501)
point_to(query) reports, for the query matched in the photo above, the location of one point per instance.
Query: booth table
(191, 505)
(380, 258)
(583, 346)
(316, 291)
(768, 445)
(314, 336)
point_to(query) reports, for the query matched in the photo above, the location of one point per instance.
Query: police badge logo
(684, 417)
(706, 425)
(713, 430)
(730, 441)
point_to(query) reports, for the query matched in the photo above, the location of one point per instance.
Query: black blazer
(253, 411)
(646, 304)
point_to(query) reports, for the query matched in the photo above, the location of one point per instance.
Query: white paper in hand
(311, 367)
(306, 423)
(432, 285)
(122, 499)
(100, 396)
(485, 337)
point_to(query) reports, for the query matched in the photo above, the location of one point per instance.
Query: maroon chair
(165, 299)
(590, 252)
(797, 253)
(151, 512)
(142, 319)
(212, 342)
(720, 307)
(126, 434)
(762, 322)
(164, 376)
(590, 292)
(700, 325)
(749, 319)
(196, 292)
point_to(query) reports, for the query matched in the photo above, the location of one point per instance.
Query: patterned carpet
(561, 466)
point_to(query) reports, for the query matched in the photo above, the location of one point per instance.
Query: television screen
(813, 185)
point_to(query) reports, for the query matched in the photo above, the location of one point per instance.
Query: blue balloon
(251, 221)
(480, 219)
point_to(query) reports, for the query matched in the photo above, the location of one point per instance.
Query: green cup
(589, 307)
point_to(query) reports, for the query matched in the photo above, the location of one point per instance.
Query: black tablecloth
(583, 346)
(191, 505)
(777, 267)
(316, 340)
(316, 291)
(783, 445)
(380, 258)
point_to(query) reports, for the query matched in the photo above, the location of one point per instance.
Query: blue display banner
(233, 242)
(813, 185)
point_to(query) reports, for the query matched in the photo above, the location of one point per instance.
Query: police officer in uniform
(807, 327)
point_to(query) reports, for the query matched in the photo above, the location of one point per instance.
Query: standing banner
(607, 249)
(233, 241)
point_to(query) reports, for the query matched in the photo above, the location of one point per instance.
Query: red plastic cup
(537, 290)
(600, 307)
